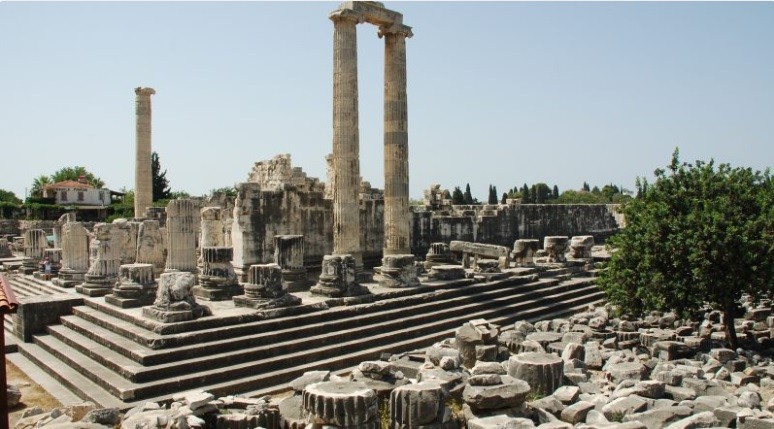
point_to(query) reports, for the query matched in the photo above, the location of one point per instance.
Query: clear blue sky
(502, 93)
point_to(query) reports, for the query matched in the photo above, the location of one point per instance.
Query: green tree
(492, 199)
(699, 235)
(541, 193)
(526, 196)
(586, 187)
(64, 173)
(504, 199)
(9, 197)
(457, 197)
(36, 191)
(467, 195)
(75, 173)
(555, 194)
(446, 194)
(161, 189)
(231, 191)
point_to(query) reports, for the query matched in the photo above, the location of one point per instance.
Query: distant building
(77, 193)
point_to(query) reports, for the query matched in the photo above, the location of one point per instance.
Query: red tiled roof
(8, 303)
(68, 184)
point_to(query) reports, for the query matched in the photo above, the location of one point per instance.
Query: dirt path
(32, 394)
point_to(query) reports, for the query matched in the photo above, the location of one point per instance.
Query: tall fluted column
(346, 145)
(396, 174)
(143, 177)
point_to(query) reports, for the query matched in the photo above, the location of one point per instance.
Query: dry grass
(32, 394)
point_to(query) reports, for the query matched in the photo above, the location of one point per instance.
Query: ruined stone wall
(260, 214)
(503, 224)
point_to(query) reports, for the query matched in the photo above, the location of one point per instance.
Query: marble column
(143, 177)
(212, 227)
(34, 243)
(150, 245)
(75, 254)
(136, 286)
(182, 226)
(264, 289)
(396, 168)
(346, 145)
(289, 255)
(105, 258)
(217, 279)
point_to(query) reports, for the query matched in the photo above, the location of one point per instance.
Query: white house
(77, 193)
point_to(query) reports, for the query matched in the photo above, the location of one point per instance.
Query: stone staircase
(116, 358)
(25, 286)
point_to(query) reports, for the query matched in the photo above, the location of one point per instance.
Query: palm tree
(38, 184)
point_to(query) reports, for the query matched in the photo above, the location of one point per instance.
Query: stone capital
(144, 91)
(347, 15)
(395, 29)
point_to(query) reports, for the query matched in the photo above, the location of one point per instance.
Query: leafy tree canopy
(701, 234)
(65, 173)
(9, 197)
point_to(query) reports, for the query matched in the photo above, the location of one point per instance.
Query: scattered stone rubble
(589, 371)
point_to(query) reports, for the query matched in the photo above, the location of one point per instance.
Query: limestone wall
(503, 224)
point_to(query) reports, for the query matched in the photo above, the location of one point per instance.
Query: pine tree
(467, 195)
(556, 192)
(492, 195)
(526, 198)
(457, 197)
(504, 200)
(161, 189)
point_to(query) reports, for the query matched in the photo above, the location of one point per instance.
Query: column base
(398, 271)
(69, 278)
(216, 288)
(96, 286)
(168, 316)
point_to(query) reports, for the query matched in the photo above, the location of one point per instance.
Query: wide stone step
(127, 391)
(283, 342)
(70, 377)
(273, 330)
(87, 367)
(41, 286)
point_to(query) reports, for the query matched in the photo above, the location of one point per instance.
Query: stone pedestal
(217, 279)
(398, 271)
(580, 246)
(264, 289)
(174, 301)
(105, 258)
(439, 254)
(555, 247)
(524, 252)
(289, 255)
(136, 286)
(34, 243)
(143, 175)
(182, 226)
(75, 254)
(150, 245)
(338, 277)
